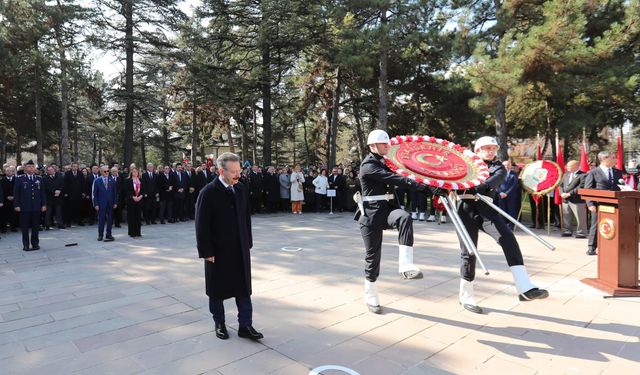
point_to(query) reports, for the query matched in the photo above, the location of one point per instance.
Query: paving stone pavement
(137, 306)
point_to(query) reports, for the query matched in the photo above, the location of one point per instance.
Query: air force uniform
(30, 198)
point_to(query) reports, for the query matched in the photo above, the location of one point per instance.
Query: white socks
(371, 293)
(521, 278)
(466, 293)
(405, 259)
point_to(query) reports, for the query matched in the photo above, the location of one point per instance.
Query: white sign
(331, 192)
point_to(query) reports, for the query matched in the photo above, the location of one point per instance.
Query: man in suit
(88, 189)
(180, 189)
(271, 190)
(53, 185)
(255, 189)
(603, 177)
(29, 201)
(192, 192)
(165, 186)
(9, 215)
(337, 182)
(509, 193)
(151, 194)
(1, 198)
(224, 241)
(572, 205)
(119, 182)
(73, 194)
(105, 200)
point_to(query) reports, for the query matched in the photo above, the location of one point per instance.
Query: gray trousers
(577, 211)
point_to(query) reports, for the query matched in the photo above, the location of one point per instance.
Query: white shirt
(227, 185)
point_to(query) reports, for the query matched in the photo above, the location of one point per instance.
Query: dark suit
(104, 196)
(338, 183)
(54, 204)
(117, 212)
(272, 190)
(181, 181)
(9, 215)
(597, 179)
(134, 209)
(30, 196)
(151, 201)
(190, 201)
(164, 184)
(88, 191)
(223, 231)
(573, 206)
(73, 191)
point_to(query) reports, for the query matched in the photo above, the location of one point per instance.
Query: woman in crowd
(353, 186)
(285, 185)
(321, 183)
(134, 191)
(297, 190)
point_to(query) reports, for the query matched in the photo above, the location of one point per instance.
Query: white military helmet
(485, 141)
(378, 136)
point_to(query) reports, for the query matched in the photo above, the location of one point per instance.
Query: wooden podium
(618, 235)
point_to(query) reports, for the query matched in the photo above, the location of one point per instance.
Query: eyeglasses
(105, 171)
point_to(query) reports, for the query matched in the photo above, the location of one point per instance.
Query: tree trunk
(39, 136)
(143, 152)
(128, 114)
(306, 142)
(333, 145)
(202, 154)
(3, 147)
(266, 105)
(362, 147)
(194, 133)
(383, 85)
(232, 147)
(64, 97)
(100, 156)
(18, 148)
(501, 128)
(94, 154)
(166, 159)
(255, 136)
(75, 141)
(550, 129)
(327, 136)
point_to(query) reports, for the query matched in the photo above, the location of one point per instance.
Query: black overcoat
(223, 230)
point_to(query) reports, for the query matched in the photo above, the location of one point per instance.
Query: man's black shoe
(61, 227)
(154, 222)
(591, 252)
(249, 332)
(108, 239)
(161, 221)
(35, 248)
(99, 238)
(81, 224)
(118, 226)
(25, 249)
(532, 294)
(566, 234)
(47, 228)
(580, 235)
(172, 221)
(221, 331)
(14, 229)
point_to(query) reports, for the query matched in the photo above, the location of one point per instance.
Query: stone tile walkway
(137, 306)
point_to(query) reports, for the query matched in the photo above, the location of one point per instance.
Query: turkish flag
(560, 160)
(620, 159)
(584, 161)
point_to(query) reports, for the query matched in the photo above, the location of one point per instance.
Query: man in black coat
(165, 186)
(224, 241)
(337, 182)
(379, 210)
(73, 194)
(53, 186)
(88, 190)
(151, 194)
(192, 193)
(119, 180)
(180, 190)
(9, 216)
(603, 177)
(255, 189)
(271, 190)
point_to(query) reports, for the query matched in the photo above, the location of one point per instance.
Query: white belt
(373, 198)
(467, 196)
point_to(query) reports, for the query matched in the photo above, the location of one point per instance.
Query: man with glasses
(105, 200)
(603, 177)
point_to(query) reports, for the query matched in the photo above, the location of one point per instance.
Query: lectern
(618, 235)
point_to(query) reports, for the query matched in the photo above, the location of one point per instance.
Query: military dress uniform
(378, 211)
(30, 197)
(477, 215)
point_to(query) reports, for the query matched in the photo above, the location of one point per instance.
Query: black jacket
(51, 184)
(377, 179)
(163, 183)
(596, 179)
(73, 185)
(150, 184)
(223, 230)
(572, 187)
